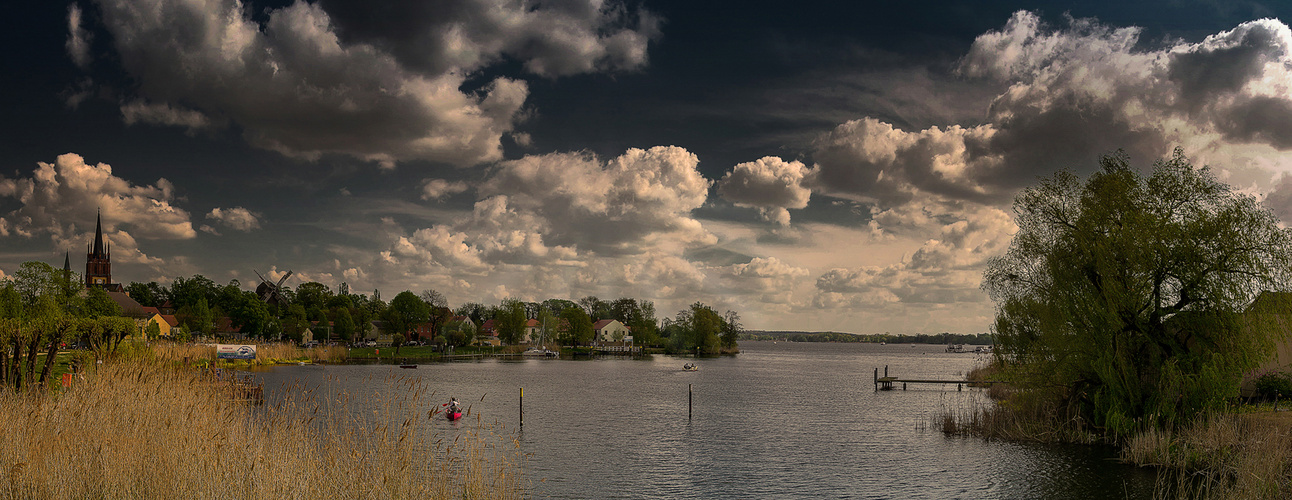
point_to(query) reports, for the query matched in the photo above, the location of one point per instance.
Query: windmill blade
(262, 277)
(281, 280)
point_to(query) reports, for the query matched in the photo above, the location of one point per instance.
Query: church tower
(98, 259)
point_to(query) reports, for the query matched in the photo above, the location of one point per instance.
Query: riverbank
(135, 428)
(1242, 452)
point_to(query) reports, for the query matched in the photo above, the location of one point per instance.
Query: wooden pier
(885, 383)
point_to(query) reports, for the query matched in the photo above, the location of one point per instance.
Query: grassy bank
(147, 429)
(1245, 452)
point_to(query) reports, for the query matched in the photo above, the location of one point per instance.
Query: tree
(433, 298)
(406, 312)
(152, 331)
(700, 326)
(595, 307)
(343, 323)
(146, 294)
(1125, 294)
(578, 327)
(397, 340)
(731, 330)
(98, 303)
(197, 317)
(644, 325)
(187, 292)
(313, 295)
(509, 319)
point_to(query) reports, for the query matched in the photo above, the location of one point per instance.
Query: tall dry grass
(149, 430)
(272, 352)
(1225, 455)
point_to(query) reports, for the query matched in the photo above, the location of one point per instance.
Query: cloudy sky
(813, 165)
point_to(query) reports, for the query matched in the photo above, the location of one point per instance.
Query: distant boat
(408, 366)
(535, 351)
(881, 343)
(691, 367)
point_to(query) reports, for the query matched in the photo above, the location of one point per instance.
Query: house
(609, 330)
(224, 328)
(533, 331)
(165, 322)
(378, 332)
(1275, 308)
(488, 334)
(129, 307)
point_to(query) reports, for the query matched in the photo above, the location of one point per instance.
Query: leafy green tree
(197, 317)
(1122, 297)
(187, 292)
(152, 331)
(578, 327)
(644, 325)
(97, 304)
(313, 295)
(406, 311)
(248, 313)
(557, 306)
(34, 280)
(701, 325)
(476, 311)
(147, 294)
(510, 320)
(731, 330)
(343, 323)
(397, 340)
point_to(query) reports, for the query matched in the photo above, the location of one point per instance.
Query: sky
(811, 165)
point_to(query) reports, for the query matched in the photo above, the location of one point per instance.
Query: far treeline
(922, 338)
(426, 317)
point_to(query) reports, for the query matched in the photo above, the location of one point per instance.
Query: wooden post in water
(876, 379)
(522, 406)
(689, 399)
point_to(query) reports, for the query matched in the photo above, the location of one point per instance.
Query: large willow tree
(1123, 298)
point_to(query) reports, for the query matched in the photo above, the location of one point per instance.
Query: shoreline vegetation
(1241, 451)
(144, 425)
(1130, 308)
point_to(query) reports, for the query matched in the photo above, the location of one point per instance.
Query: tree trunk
(4, 365)
(49, 362)
(17, 364)
(33, 350)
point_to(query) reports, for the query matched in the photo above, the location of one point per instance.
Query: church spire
(98, 236)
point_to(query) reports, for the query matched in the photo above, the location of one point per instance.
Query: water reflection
(780, 420)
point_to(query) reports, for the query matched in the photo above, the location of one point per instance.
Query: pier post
(522, 406)
(885, 370)
(876, 379)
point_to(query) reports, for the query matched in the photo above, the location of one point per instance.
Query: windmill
(271, 292)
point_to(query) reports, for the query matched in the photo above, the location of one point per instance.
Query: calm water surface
(780, 420)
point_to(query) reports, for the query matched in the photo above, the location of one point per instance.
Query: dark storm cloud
(551, 38)
(291, 83)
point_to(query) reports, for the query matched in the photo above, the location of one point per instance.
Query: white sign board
(232, 351)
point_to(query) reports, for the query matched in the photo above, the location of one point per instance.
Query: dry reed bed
(1226, 455)
(145, 430)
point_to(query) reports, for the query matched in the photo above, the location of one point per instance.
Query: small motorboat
(691, 367)
(408, 366)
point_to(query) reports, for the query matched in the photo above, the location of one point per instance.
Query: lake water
(780, 420)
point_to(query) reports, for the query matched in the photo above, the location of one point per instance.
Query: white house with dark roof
(609, 330)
